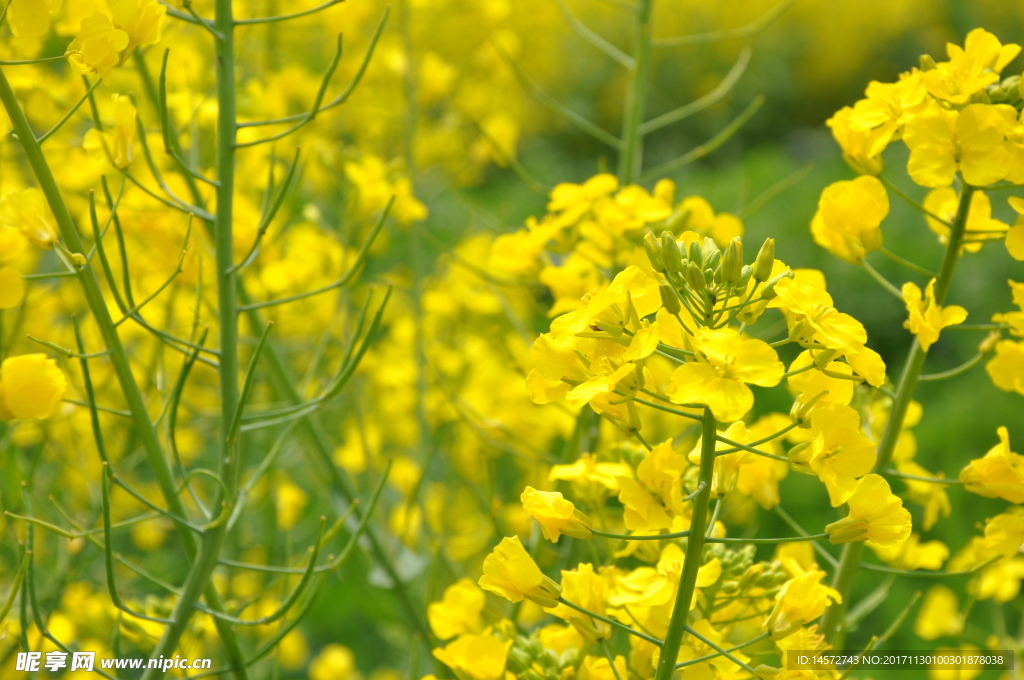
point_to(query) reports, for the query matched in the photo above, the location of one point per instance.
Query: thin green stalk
(198, 580)
(612, 622)
(631, 155)
(694, 551)
(284, 385)
(849, 561)
(145, 429)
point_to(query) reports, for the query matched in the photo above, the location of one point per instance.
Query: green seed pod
(653, 249)
(669, 298)
(765, 260)
(732, 263)
(670, 255)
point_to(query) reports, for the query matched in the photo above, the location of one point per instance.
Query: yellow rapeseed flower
(31, 18)
(334, 662)
(999, 474)
(142, 20)
(290, 501)
(25, 210)
(555, 514)
(12, 288)
(972, 141)
(945, 202)
(970, 68)
(458, 611)
(876, 514)
(940, 614)
(31, 386)
(96, 50)
(726, 363)
(1015, 236)
(510, 572)
(116, 144)
(587, 589)
(800, 600)
(476, 657)
(927, 319)
(847, 223)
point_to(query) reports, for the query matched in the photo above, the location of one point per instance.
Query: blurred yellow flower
(599, 668)
(476, 657)
(31, 18)
(26, 211)
(1015, 236)
(847, 223)
(12, 288)
(334, 662)
(31, 386)
(115, 145)
(800, 600)
(290, 501)
(458, 611)
(97, 48)
(142, 20)
(939, 615)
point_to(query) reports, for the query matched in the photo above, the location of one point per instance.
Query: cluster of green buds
(530, 660)
(740, 572)
(702, 275)
(1007, 91)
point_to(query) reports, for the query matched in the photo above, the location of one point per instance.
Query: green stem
(631, 156)
(284, 385)
(694, 551)
(198, 579)
(849, 561)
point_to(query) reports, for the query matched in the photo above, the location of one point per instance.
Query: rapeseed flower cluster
(622, 370)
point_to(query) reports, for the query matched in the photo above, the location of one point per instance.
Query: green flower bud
(927, 63)
(709, 276)
(519, 660)
(745, 274)
(732, 263)
(695, 278)
(695, 253)
(709, 248)
(765, 261)
(670, 255)
(713, 260)
(653, 249)
(847, 530)
(677, 221)
(768, 291)
(669, 298)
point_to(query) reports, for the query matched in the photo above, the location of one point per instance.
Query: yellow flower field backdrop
(597, 339)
